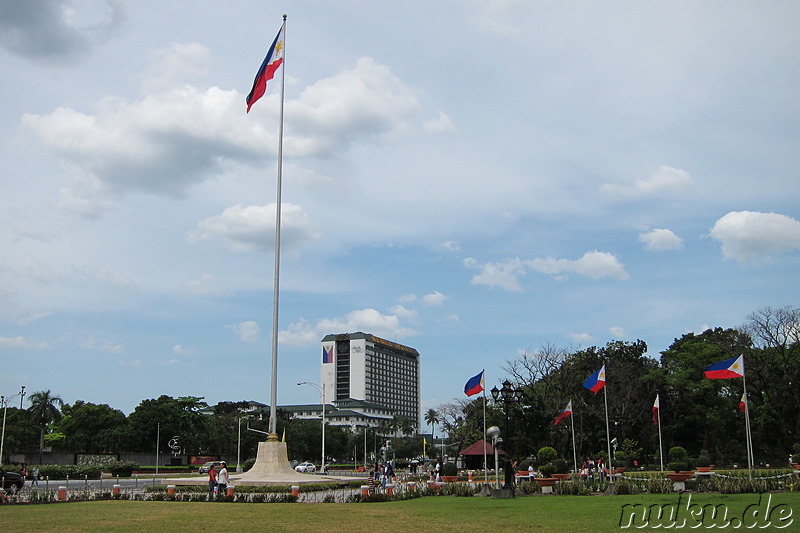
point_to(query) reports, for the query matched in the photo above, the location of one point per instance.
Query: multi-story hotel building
(361, 366)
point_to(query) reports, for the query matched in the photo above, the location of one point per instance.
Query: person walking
(35, 474)
(212, 480)
(222, 479)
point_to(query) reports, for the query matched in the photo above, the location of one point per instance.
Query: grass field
(551, 513)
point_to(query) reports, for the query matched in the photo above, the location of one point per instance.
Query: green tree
(92, 428)
(698, 413)
(171, 417)
(43, 412)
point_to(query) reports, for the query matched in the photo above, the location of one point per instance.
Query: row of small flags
(729, 368)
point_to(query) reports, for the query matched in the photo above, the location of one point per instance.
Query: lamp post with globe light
(322, 392)
(509, 396)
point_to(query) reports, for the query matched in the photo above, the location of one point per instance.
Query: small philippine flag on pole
(729, 368)
(596, 381)
(474, 385)
(656, 407)
(743, 403)
(564, 414)
(266, 72)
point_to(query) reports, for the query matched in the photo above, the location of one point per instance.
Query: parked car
(206, 467)
(306, 467)
(11, 480)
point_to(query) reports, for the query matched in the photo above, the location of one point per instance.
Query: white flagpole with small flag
(657, 420)
(734, 368)
(594, 383)
(475, 385)
(574, 450)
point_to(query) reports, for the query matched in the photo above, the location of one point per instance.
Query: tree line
(199, 429)
(698, 414)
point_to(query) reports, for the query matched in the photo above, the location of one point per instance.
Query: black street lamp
(508, 396)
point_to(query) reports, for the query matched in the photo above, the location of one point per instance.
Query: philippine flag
(327, 354)
(729, 368)
(597, 380)
(564, 414)
(743, 403)
(656, 407)
(271, 63)
(474, 385)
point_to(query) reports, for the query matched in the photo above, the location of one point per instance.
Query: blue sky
(473, 179)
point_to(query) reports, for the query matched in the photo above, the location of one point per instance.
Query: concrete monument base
(271, 468)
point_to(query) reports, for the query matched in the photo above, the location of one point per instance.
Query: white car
(306, 467)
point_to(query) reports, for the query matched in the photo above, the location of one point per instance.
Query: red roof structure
(473, 455)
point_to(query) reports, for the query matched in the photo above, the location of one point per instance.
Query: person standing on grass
(222, 479)
(212, 480)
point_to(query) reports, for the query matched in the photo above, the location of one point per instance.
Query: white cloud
(435, 298)
(207, 285)
(246, 331)
(451, 246)
(103, 345)
(666, 179)
(581, 338)
(369, 320)
(504, 274)
(171, 67)
(617, 331)
(22, 343)
(440, 124)
(180, 350)
(252, 227)
(593, 265)
(747, 236)
(660, 240)
(407, 298)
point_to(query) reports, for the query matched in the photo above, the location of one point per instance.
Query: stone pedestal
(502, 493)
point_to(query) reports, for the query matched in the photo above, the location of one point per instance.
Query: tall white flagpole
(485, 460)
(747, 426)
(273, 399)
(658, 421)
(608, 436)
(574, 451)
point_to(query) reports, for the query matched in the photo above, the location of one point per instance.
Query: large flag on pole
(656, 407)
(564, 414)
(474, 385)
(596, 381)
(729, 368)
(267, 70)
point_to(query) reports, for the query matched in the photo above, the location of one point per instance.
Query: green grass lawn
(551, 513)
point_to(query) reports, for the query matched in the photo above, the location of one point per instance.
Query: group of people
(590, 468)
(218, 480)
(383, 473)
(34, 474)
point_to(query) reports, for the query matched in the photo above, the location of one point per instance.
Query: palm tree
(42, 412)
(432, 418)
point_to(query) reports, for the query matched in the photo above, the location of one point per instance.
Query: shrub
(449, 469)
(678, 466)
(122, 468)
(703, 459)
(546, 454)
(561, 466)
(677, 453)
(547, 470)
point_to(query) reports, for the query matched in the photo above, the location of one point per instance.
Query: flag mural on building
(656, 407)
(327, 354)
(564, 413)
(474, 385)
(597, 380)
(729, 368)
(266, 72)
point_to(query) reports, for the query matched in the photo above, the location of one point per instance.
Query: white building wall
(358, 369)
